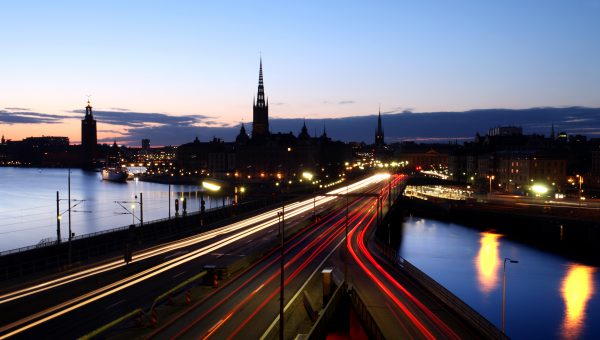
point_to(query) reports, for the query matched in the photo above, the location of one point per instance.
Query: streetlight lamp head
(211, 186)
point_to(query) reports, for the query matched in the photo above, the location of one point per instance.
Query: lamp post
(309, 176)
(580, 180)
(281, 216)
(491, 178)
(504, 287)
(210, 186)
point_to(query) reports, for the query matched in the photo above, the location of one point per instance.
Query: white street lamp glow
(211, 186)
(307, 175)
(539, 189)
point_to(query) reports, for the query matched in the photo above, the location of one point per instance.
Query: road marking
(183, 272)
(114, 304)
(177, 253)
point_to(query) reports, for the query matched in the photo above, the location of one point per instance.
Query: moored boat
(114, 174)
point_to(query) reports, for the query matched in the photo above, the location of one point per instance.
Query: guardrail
(136, 313)
(483, 325)
(112, 230)
(365, 316)
(319, 329)
(177, 289)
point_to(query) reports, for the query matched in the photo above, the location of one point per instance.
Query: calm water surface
(28, 203)
(547, 296)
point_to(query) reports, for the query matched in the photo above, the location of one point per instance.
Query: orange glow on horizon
(488, 262)
(577, 288)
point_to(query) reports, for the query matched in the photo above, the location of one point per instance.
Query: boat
(114, 174)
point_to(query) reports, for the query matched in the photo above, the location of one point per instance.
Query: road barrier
(483, 325)
(320, 329)
(137, 314)
(185, 285)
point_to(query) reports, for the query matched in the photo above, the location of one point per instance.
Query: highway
(402, 308)
(71, 305)
(248, 304)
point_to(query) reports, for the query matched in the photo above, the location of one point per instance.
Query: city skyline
(184, 66)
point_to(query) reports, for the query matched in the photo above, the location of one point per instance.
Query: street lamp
(281, 219)
(580, 180)
(504, 288)
(491, 178)
(211, 187)
(309, 176)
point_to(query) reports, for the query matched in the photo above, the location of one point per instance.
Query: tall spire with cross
(260, 119)
(379, 133)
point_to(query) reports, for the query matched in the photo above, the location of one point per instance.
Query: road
(249, 303)
(70, 305)
(401, 308)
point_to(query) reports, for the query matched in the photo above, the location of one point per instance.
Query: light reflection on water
(577, 289)
(488, 262)
(548, 296)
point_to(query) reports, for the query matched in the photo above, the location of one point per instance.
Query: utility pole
(281, 289)
(141, 210)
(347, 244)
(69, 198)
(57, 219)
(390, 193)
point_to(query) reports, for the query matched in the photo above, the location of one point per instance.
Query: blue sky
(322, 59)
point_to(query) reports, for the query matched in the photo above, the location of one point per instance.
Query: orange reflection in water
(488, 262)
(577, 289)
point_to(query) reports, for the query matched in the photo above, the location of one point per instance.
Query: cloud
(344, 102)
(17, 109)
(277, 104)
(128, 118)
(28, 117)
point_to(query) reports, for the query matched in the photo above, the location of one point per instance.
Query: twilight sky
(154, 64)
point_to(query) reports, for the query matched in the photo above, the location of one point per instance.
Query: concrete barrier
(109, 326)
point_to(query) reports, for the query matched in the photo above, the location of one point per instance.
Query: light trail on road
(387, 286)
(243, 229)
(315, 247)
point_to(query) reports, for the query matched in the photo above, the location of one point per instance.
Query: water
(28, 203)
(547, 296)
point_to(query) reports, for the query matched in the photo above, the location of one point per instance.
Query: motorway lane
(249, 303)
(401, 308)
(127, 294)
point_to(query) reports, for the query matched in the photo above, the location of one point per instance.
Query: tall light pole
(69, 198)
(504, 288)
(491, 178)
(281, 217)
(580, 180)
(57, 219)
(347, 244)
(309, 176)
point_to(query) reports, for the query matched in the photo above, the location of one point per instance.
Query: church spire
(379, 140)
(260, 116)
(260, 102)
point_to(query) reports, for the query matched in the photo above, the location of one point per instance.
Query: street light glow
(307, 175)
(539, 189)
(211, 186)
